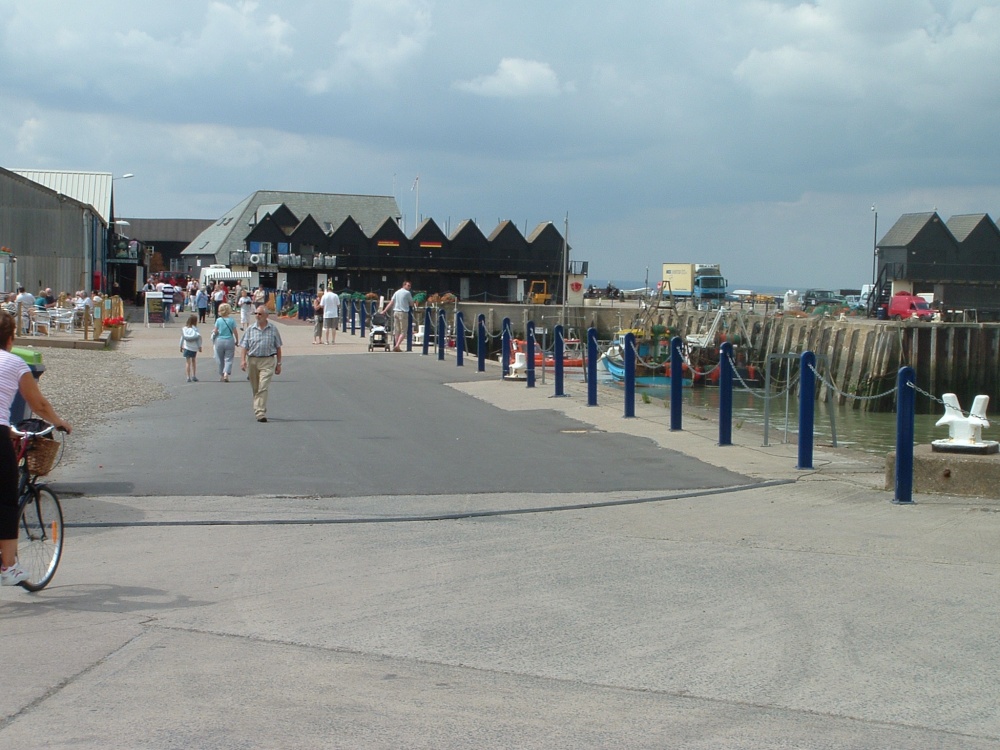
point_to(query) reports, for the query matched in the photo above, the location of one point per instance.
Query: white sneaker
(13, 575)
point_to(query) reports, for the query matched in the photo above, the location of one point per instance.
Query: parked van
(904, 306)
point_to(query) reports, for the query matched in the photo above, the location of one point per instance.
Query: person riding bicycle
(15, 377)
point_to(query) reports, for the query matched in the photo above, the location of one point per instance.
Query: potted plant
(116, 326)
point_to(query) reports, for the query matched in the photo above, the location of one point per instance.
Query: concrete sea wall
(860, 356)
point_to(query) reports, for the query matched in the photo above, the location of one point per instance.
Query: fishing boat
(651, 378)
(651, 367)
(702, 350)
(573, 353)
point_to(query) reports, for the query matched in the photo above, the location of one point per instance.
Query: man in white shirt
(401, 304)
(331, 314)
(25, 302)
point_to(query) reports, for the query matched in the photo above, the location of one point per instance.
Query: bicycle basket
(43, 453)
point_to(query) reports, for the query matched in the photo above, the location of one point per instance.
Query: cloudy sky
(753, 133)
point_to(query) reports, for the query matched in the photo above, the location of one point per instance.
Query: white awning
(224, 274)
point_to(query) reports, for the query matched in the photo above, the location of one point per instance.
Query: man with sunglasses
(260, 349)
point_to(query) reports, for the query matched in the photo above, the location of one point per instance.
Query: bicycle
(40, 517)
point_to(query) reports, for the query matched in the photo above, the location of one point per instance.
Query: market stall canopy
(223, 274)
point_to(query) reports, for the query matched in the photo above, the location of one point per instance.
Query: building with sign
(356, 243)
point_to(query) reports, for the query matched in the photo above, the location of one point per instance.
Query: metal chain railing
(852, 396)
(932, 397)
(757, 391)
(651, 363)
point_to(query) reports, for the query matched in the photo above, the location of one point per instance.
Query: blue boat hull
(616, 368)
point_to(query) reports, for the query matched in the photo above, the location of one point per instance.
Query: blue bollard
(726, 394)
(591, 366)
(676, 382)
(906, 397)
(440, 342)
(481, 342)
(409, 330)
(505, 348)
(629, 375)
(459, 339)
(530, 347)
(560, 349)
(428, 331)
(364, 318)
(807, 404)
(354, 314)
(343, 317)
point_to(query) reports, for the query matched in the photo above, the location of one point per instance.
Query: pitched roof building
(356, 243)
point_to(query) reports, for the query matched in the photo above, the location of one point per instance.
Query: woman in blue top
(225, 341)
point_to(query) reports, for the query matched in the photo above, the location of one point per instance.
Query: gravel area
(87, 386)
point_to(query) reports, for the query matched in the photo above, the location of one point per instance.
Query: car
(816, 297)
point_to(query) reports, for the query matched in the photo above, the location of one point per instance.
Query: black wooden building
(958, 261)
(356, 243)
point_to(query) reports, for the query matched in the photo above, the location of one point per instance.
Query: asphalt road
(228, 584)
(376, 424)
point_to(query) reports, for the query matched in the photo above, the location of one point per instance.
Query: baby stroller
(378, 337)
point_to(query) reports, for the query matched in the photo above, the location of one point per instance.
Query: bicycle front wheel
(40, 542)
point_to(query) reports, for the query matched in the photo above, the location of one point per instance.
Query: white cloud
(27, 135)
(515, 78)
(383, 36)
(790, 115)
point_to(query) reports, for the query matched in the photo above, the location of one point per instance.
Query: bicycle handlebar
(33, 428)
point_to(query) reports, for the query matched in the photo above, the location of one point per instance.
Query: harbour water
(870, 432)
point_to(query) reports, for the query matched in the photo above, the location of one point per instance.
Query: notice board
(154, 308)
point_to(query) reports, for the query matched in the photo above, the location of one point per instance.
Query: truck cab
(538, 293)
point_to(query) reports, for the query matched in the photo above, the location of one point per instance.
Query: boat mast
(565, 270)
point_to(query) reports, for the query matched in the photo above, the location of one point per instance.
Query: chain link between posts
(852, 396)
(644, 362)
(757, 391)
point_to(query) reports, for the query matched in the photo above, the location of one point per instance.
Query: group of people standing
(326, 316)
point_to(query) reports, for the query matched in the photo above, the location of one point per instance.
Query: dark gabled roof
(226, 235)
(964, 224)
(538, 230)
(166, 230)
(906, 228)
(428, 229)
(509, 231)
(468, 227)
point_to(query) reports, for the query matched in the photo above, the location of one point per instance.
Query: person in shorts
(331, 315)
(401, 304)
(190, 346)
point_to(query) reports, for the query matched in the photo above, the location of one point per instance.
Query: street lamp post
(113, 231)
(874, 248)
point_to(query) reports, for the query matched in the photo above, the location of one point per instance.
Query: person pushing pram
(401, 304)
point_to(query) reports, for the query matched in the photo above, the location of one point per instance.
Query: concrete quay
(415, 555)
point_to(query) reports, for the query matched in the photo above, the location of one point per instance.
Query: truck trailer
(702, 282)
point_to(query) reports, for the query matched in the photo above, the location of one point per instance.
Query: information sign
(154, 308)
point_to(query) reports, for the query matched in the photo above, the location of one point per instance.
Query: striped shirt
(261, 342)
(12, 369)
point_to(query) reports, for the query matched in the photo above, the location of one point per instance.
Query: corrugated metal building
(95, 189)
(55, 238)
